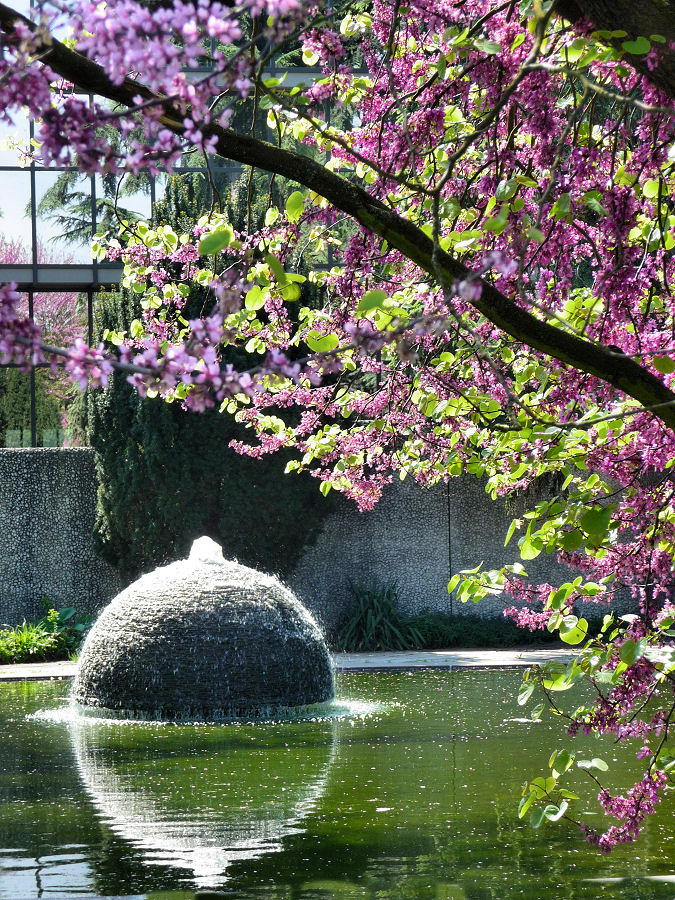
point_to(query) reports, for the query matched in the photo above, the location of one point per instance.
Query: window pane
(128, 200)
(15, 224)
(12, 138)
(64, 217)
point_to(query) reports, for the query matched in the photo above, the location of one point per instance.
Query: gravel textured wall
(47, 507)
(415, 537)
(418, 538)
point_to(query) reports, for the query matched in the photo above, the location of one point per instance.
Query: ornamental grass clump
(373, 621)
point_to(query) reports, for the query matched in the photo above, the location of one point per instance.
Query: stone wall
(47, 508)
(415, 538)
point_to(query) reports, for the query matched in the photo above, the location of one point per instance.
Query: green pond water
(409, 789)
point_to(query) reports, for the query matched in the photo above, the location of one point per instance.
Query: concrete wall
(47, 508)
(415, 538)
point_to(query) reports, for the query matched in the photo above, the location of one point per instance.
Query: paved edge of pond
(347, 662)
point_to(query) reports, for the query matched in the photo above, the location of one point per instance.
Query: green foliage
(56, 636)
(373, 621)
(167, 476)
(15, 402)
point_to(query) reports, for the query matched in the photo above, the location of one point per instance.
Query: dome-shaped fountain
(204, 639)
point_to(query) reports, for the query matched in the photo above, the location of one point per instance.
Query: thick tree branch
(638, 18)
(620, 371)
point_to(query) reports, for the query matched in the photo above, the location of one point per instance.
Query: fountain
(204, 639)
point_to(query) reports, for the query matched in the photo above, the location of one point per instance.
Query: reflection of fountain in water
(203, 798)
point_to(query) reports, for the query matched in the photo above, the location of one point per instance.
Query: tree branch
(637, 19)
(616, 369)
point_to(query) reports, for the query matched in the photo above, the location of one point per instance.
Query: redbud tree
(484, 205)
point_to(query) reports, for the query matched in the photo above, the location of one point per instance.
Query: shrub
(373, 621)
(56, 636)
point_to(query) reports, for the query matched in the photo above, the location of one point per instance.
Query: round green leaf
(321, 343)
(215, 242)
(664, 364)
(295, 206)
(638, 46)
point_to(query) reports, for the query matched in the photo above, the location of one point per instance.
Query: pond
(409, 790)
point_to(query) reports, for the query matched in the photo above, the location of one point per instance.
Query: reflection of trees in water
(199, 799)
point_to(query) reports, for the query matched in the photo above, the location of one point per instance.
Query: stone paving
(385, 660)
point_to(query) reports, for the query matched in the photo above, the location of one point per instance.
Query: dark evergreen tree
(167, 476)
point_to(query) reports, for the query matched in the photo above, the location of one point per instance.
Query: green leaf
(631, 651)
(275, 267)
(595, 763)
(371, 300)
(271, 215)
(637, 47)
(509, 533)
(595, 521)
(535, 715)
(573, 633)
(650, 189)
(215, 242)
(562, 206)
(255, 299)
(506, 190)
(571, 540)
(664, 364)
(562, 761)
(290, 292)
(525, 804)
(295, 206)
(530, 548)
(452, 584)
(525, 692)
(553, 813)
(489, 47)
(321, 343)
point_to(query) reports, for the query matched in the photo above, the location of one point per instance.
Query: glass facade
(47, 220)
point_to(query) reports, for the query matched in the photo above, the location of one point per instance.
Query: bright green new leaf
(371, 300)
(321, 343)
(525, 804)
(255, 299)
(271, 215)
(295, 206)
(215, 242)
(452, 584)
(573, 632)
